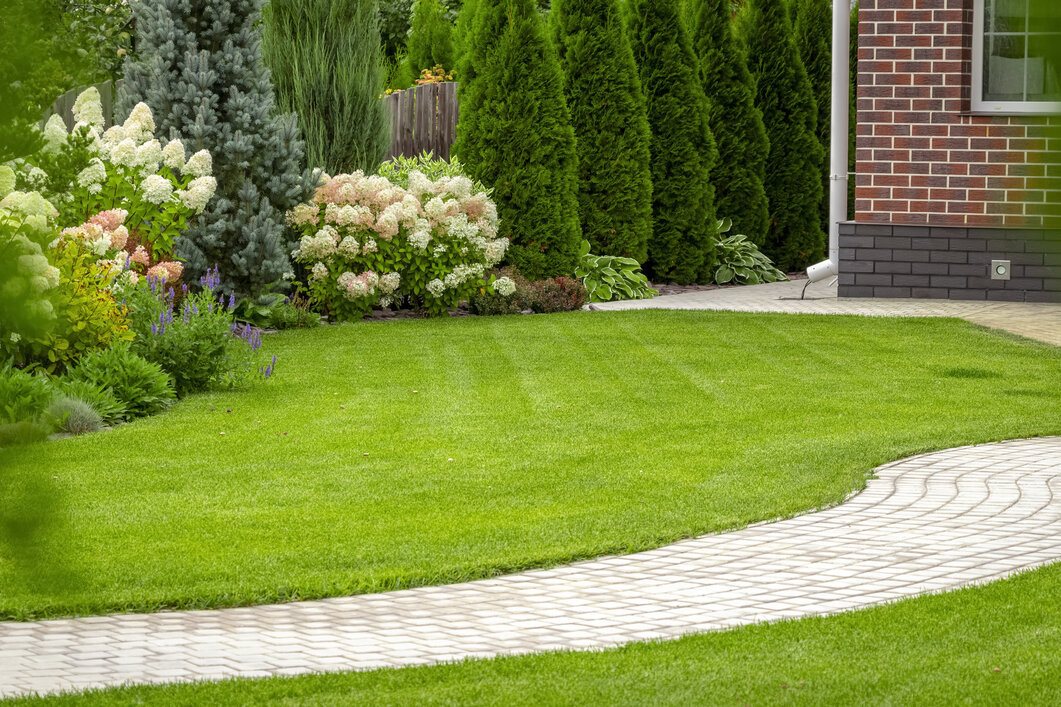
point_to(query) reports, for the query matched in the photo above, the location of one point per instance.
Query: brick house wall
(941, 191)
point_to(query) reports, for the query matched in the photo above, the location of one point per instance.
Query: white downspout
(838, 152)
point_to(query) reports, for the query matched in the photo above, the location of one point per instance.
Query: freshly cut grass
(993, 645)
(396, 454)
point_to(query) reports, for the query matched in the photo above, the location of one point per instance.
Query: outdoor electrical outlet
(1000, 269)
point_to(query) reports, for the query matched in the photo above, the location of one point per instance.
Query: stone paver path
(1037, 321)
(929, 523)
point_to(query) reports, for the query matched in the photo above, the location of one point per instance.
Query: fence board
(423, 118)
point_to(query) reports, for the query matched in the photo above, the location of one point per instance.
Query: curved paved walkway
(1040, 321)
(929, 523)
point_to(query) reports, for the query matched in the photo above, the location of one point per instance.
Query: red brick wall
(922, 157)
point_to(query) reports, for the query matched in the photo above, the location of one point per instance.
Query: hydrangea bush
(368, 241)
(158, 185)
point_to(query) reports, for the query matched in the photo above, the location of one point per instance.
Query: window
(1017, 56)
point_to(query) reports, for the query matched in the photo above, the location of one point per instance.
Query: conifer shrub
(683, 149)
(785, 98)
(736, 123)
(431, 37)
(814, 30)
(204, 79)
(328, 69)
(610, 121)
(515, 135)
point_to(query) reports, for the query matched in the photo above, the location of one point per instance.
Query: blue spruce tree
(199, 68)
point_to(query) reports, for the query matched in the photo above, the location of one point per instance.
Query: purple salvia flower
(231, 301)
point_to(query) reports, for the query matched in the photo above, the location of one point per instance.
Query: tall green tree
(327, 68)
(515, 135)
(785, 98)
(683, 149)
(735, 121)
(610, 119)
(206, 81)
(814, 29)
(431, 37)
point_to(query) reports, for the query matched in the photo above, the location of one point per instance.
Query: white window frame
(978, 104)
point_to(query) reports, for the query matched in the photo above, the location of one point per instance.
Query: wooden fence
(422, 118)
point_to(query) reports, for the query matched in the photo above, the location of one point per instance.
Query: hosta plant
(740, 261)
(368, 241)
(608, 277)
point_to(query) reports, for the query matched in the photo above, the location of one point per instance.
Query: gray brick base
(882, 260)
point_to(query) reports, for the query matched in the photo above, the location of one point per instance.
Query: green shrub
(785, 98)
(277, 311)
(196, 341)
(26, 432)
(499, 297)
(609, 278)
(73, 416)
(610, 119)
(683, 149)
(735, 121)
(431, 37)
(398, 169)
(100, 399)
(88, 318)
(557, 294)
(23, 397)
(515, 134)
(327, 67)
(141, 386)
(740, 262)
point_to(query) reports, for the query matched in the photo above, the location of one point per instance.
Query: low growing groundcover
(388, 455)
(992, 645)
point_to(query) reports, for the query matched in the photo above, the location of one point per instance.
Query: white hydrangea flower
(436, 287)
(505, 286)
(94, 173)
(173, 155)
(349, 247)
(419, 183)
(200, 190)
(319, 272)
(149, 155)
(55, 134)
(201, 164)
(420, 238)
(88, 108)
(141, 122)
(156, 189)
(390, 282)
(495, 251)
(370, 247)
(124, 153)
(114, 135)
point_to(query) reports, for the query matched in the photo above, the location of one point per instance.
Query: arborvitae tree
(610, 120)
(327, 68)
(735, 121)
(814, 31)
(431, 37)
(786, 100)
(515, 135)
(199, 68)
(683, 151)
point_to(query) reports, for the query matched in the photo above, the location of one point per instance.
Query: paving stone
(927, 524)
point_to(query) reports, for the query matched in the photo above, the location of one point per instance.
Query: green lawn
(994, 645)
(387, 455)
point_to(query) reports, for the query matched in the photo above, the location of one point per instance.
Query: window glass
(1021, 56)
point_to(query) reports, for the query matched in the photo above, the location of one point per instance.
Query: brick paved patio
(930, 523)
(1036, 321)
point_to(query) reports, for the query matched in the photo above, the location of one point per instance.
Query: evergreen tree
(199, 68)
(515, 135)
(785, 98)
(431, 37)
(735, 121)
(683, 151)
(814, 29)
(610, 120)
(327, 68)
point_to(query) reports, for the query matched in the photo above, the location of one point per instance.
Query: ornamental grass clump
(368, 242)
